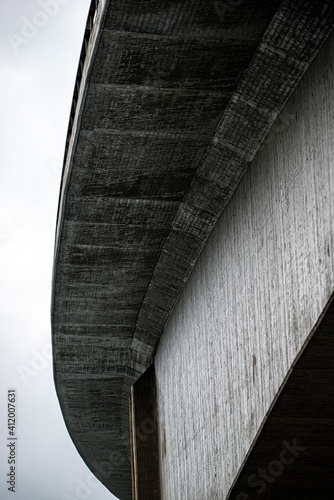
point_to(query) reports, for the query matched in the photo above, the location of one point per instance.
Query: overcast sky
(40, 44)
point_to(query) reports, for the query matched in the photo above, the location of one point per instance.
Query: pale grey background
(36, 82)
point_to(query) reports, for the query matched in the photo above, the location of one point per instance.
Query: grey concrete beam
(203, 133)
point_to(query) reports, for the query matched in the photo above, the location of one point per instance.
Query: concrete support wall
(252, 300)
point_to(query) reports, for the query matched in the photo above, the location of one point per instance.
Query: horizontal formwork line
(163, 134)
(162, 90)
(178, 136)
(222, 35)
(116, 225)
(110, 247)
(95, 325)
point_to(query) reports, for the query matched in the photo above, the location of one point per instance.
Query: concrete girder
(157, 150)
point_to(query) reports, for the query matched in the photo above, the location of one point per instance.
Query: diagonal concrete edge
(292, 40)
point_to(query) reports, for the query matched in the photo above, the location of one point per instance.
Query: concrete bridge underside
(175, 100)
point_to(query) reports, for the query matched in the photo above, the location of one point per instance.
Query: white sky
(37, 70)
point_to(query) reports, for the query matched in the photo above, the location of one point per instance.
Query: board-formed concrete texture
(254, 297)
(174, 103)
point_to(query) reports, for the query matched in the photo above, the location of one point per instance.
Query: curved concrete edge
(88, 64)
(277, 67)
(89, 60)
(210, 191)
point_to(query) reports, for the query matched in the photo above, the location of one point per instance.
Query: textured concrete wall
(252, 300)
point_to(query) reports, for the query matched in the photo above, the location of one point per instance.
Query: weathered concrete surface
(293, 456)
(175, 101)
(252, 300)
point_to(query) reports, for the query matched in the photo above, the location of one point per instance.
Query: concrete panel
(141, 59)
(293, 456)
(192, 18)
(163, 169)
(254, 296)
(133, 108)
